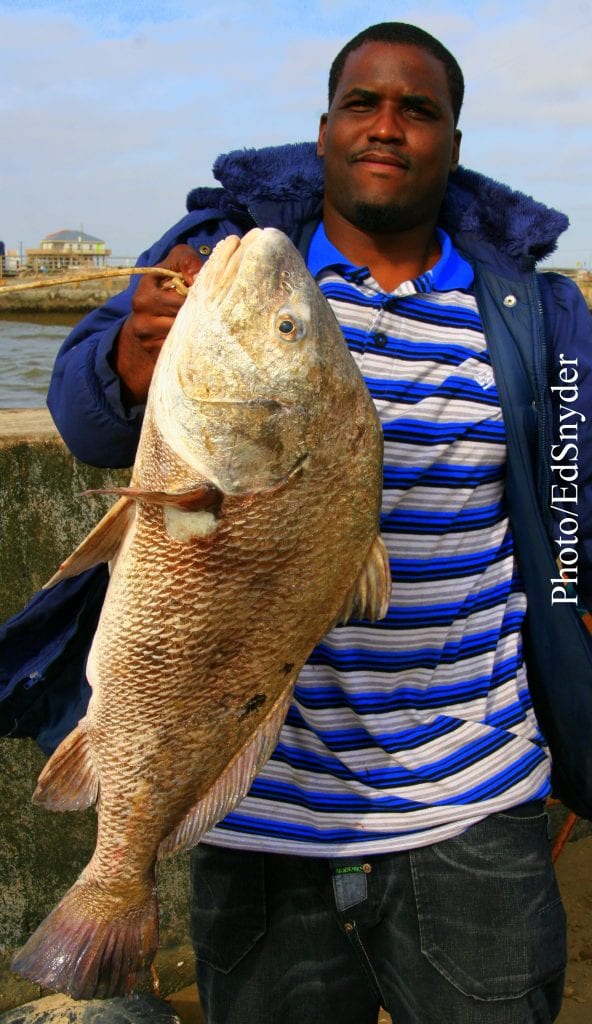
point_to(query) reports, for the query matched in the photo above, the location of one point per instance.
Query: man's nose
(387, 126)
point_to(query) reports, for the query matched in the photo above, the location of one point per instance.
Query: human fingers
(156, 297)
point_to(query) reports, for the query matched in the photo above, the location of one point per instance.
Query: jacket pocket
(227, 904)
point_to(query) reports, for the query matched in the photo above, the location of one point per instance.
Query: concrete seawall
(78, 297)
(42, 518)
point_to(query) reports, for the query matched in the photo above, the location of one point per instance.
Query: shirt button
(367, 868)
(349, 926)
(380, 340)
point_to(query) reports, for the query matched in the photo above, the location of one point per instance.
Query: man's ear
(321, 135)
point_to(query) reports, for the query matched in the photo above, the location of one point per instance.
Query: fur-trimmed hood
(475, 209)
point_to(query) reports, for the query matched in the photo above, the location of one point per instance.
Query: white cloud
(111, 112)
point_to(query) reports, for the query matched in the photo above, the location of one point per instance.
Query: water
(28, 347)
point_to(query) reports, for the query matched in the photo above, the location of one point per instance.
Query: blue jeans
(467, 931)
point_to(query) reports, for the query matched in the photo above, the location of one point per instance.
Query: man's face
(388, 141)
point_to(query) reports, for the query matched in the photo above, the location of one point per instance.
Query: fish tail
(93, 944)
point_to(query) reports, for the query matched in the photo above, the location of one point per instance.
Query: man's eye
(358, 105)
(416, 110)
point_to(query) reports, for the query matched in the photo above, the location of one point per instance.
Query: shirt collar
(450, 272)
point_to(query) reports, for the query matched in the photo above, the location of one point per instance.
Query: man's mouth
(382, 157)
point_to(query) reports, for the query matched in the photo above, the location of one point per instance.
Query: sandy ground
(574, 870)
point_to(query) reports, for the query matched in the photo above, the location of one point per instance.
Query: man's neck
(391, 258)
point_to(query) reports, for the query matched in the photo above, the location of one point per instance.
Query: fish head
(241, 385)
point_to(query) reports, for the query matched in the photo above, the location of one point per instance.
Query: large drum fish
(249, 529)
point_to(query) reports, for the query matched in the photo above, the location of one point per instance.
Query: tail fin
(93, 944)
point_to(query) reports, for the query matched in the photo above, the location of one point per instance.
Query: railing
(56, 263)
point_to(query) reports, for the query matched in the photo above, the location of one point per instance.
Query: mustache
(381, 149)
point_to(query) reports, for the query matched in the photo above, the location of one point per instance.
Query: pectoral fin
(205, 498)
(370, 595)
(100, 545)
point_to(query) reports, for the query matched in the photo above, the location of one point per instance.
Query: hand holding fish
(154, 307)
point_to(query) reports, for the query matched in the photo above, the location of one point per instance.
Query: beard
(378, 218)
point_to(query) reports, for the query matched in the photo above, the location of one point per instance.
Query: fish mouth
(272, 252)
(223, 265)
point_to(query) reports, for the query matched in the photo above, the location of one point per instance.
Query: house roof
(69, 235)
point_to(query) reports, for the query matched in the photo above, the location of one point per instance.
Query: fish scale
(250, 527)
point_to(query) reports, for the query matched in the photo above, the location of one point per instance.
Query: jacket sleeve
(84, 394)
(570, 455)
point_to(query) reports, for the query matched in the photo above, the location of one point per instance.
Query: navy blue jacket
(535, 325)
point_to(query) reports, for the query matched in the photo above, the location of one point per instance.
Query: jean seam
(534, 819)
(549, 906)
(355, 940)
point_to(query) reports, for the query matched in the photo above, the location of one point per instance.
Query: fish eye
(289, 328)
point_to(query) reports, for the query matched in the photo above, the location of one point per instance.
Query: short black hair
(400, 32)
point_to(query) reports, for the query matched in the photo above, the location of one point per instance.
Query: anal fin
(233, 784)
(370, 595)
(69, 780)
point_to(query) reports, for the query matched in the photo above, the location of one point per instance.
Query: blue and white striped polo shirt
(405, 732)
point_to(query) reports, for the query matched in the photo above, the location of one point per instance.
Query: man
(393, 851)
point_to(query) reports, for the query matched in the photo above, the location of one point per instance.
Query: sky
(110, 112)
